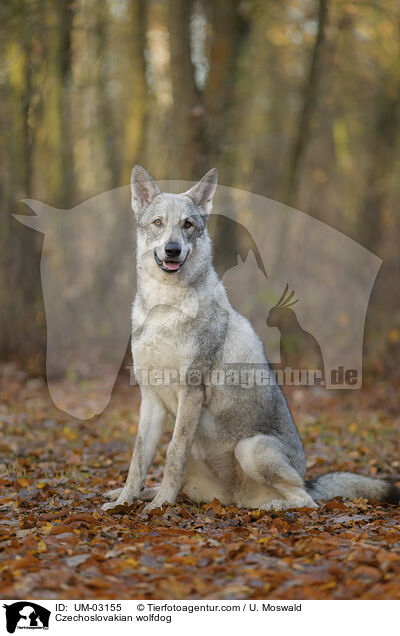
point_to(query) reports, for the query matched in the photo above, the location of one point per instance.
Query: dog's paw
(148, 494)
(157, 502)
(122, 504)
(113, 494)
(150, 507)
(287, 504)
(117, 506)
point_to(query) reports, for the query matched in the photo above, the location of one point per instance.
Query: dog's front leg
(187, 418)
(151, 423)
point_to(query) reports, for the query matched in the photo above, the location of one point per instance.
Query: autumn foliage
(56, 542)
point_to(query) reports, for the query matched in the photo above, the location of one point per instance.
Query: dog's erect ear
(143, 188)
(203, 192)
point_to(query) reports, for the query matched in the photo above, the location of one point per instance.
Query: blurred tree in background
(295, 100)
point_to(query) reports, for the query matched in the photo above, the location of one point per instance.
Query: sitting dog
(237, 444)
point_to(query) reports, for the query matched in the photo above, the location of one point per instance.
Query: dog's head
(172, 235)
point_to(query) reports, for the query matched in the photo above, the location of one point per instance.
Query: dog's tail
(352, 486)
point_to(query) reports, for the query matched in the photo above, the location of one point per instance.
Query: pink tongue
(171, 265)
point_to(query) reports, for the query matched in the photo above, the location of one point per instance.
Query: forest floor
(56, 543)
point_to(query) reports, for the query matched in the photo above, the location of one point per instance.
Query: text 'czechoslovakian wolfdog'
(239, 445)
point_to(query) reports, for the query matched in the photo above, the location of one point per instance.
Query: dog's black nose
(172, 249)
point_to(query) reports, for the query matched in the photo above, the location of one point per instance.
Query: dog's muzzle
(170, 265)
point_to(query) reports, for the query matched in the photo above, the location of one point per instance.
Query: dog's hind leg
(148, 494)
(270, 481)
(202, 485)
(151, 423)
(113, 494)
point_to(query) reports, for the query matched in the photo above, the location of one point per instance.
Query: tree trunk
(310, 100)
(21, 315)
(187, 134)
(229, 32)
(382, 150)
(60, 165)
(136, 120)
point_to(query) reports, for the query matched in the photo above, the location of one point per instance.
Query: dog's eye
(187, 224)
(157, 222)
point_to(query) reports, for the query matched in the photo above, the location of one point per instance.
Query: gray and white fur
(236, 444)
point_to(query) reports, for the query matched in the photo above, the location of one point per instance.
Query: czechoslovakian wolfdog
(239, 445)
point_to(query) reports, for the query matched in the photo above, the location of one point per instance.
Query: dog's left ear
(203, 192)
(143, 188)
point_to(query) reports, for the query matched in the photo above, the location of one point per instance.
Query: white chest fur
(161, 319)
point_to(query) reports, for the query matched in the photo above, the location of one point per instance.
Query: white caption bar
(158, 617)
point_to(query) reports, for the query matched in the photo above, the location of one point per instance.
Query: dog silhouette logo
(26, 615)
(299, 349)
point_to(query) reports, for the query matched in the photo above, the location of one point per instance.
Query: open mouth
(170, 265)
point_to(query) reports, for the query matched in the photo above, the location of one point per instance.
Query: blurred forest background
(296, 100)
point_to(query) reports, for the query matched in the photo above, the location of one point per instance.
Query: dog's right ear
(143, 188)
